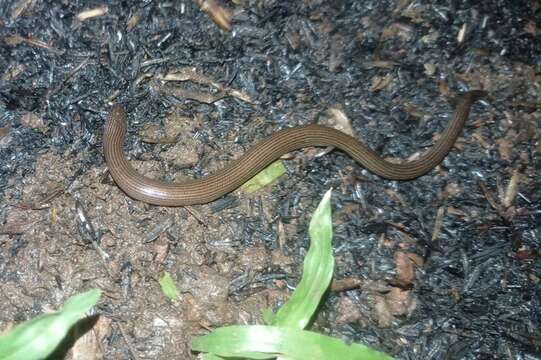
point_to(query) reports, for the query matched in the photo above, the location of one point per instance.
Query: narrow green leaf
(169, 288)
(268, 316)
(294, 344)
(267, 176)
(286, 339)
(39, 337)
(77, 305)
(317, 273)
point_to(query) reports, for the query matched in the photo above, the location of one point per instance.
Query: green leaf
(268, 316)
(39, 337)
(294, 344)
(267, 176)
(210, 356)
(317, 274)
(169, 288)
(286, 339)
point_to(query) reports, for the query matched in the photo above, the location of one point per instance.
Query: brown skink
(237, 172)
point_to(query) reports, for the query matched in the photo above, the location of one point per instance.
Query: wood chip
(505, 148)
(13, 72)
(380, 83)
(21, 7)
(219, 14)
(133, 20)
(512, 189)
(461, 34)
(346, 284)
(430, 69)
(14, 40)
(339, 120)
(92, 13)
(438, 223)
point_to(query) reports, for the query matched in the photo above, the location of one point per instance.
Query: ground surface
(445, 266)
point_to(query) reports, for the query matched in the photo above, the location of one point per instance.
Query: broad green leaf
(317, 274)
(210, 356)
(293, 344)
(39, 337)
(265, 177)
(247, 355)
(169, 288)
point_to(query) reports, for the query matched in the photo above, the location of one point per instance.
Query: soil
(444, 266)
